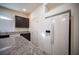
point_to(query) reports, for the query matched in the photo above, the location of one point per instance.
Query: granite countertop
(13, 32)
(23, 47)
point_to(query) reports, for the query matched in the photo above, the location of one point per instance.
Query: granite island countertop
(23, 47)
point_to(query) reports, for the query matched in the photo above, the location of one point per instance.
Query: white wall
(6, 25)
(39, 24)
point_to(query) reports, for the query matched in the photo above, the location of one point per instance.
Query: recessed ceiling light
(24, 9)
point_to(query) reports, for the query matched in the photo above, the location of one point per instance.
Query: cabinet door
(60, 34)
(27, 36)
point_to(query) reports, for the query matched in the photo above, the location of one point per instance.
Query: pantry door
(60, 34)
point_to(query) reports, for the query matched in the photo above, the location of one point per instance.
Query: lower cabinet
(26, 35)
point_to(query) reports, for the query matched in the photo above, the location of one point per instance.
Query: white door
(60, 34)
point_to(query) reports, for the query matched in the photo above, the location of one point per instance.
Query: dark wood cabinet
(27, 36)
(21, 22)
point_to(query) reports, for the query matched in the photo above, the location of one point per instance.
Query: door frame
(68, 11)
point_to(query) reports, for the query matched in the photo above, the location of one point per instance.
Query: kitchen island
(16, 44)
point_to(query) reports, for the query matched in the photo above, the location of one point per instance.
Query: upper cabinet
(51, 6)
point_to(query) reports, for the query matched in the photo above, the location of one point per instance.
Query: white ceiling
(19, 6)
